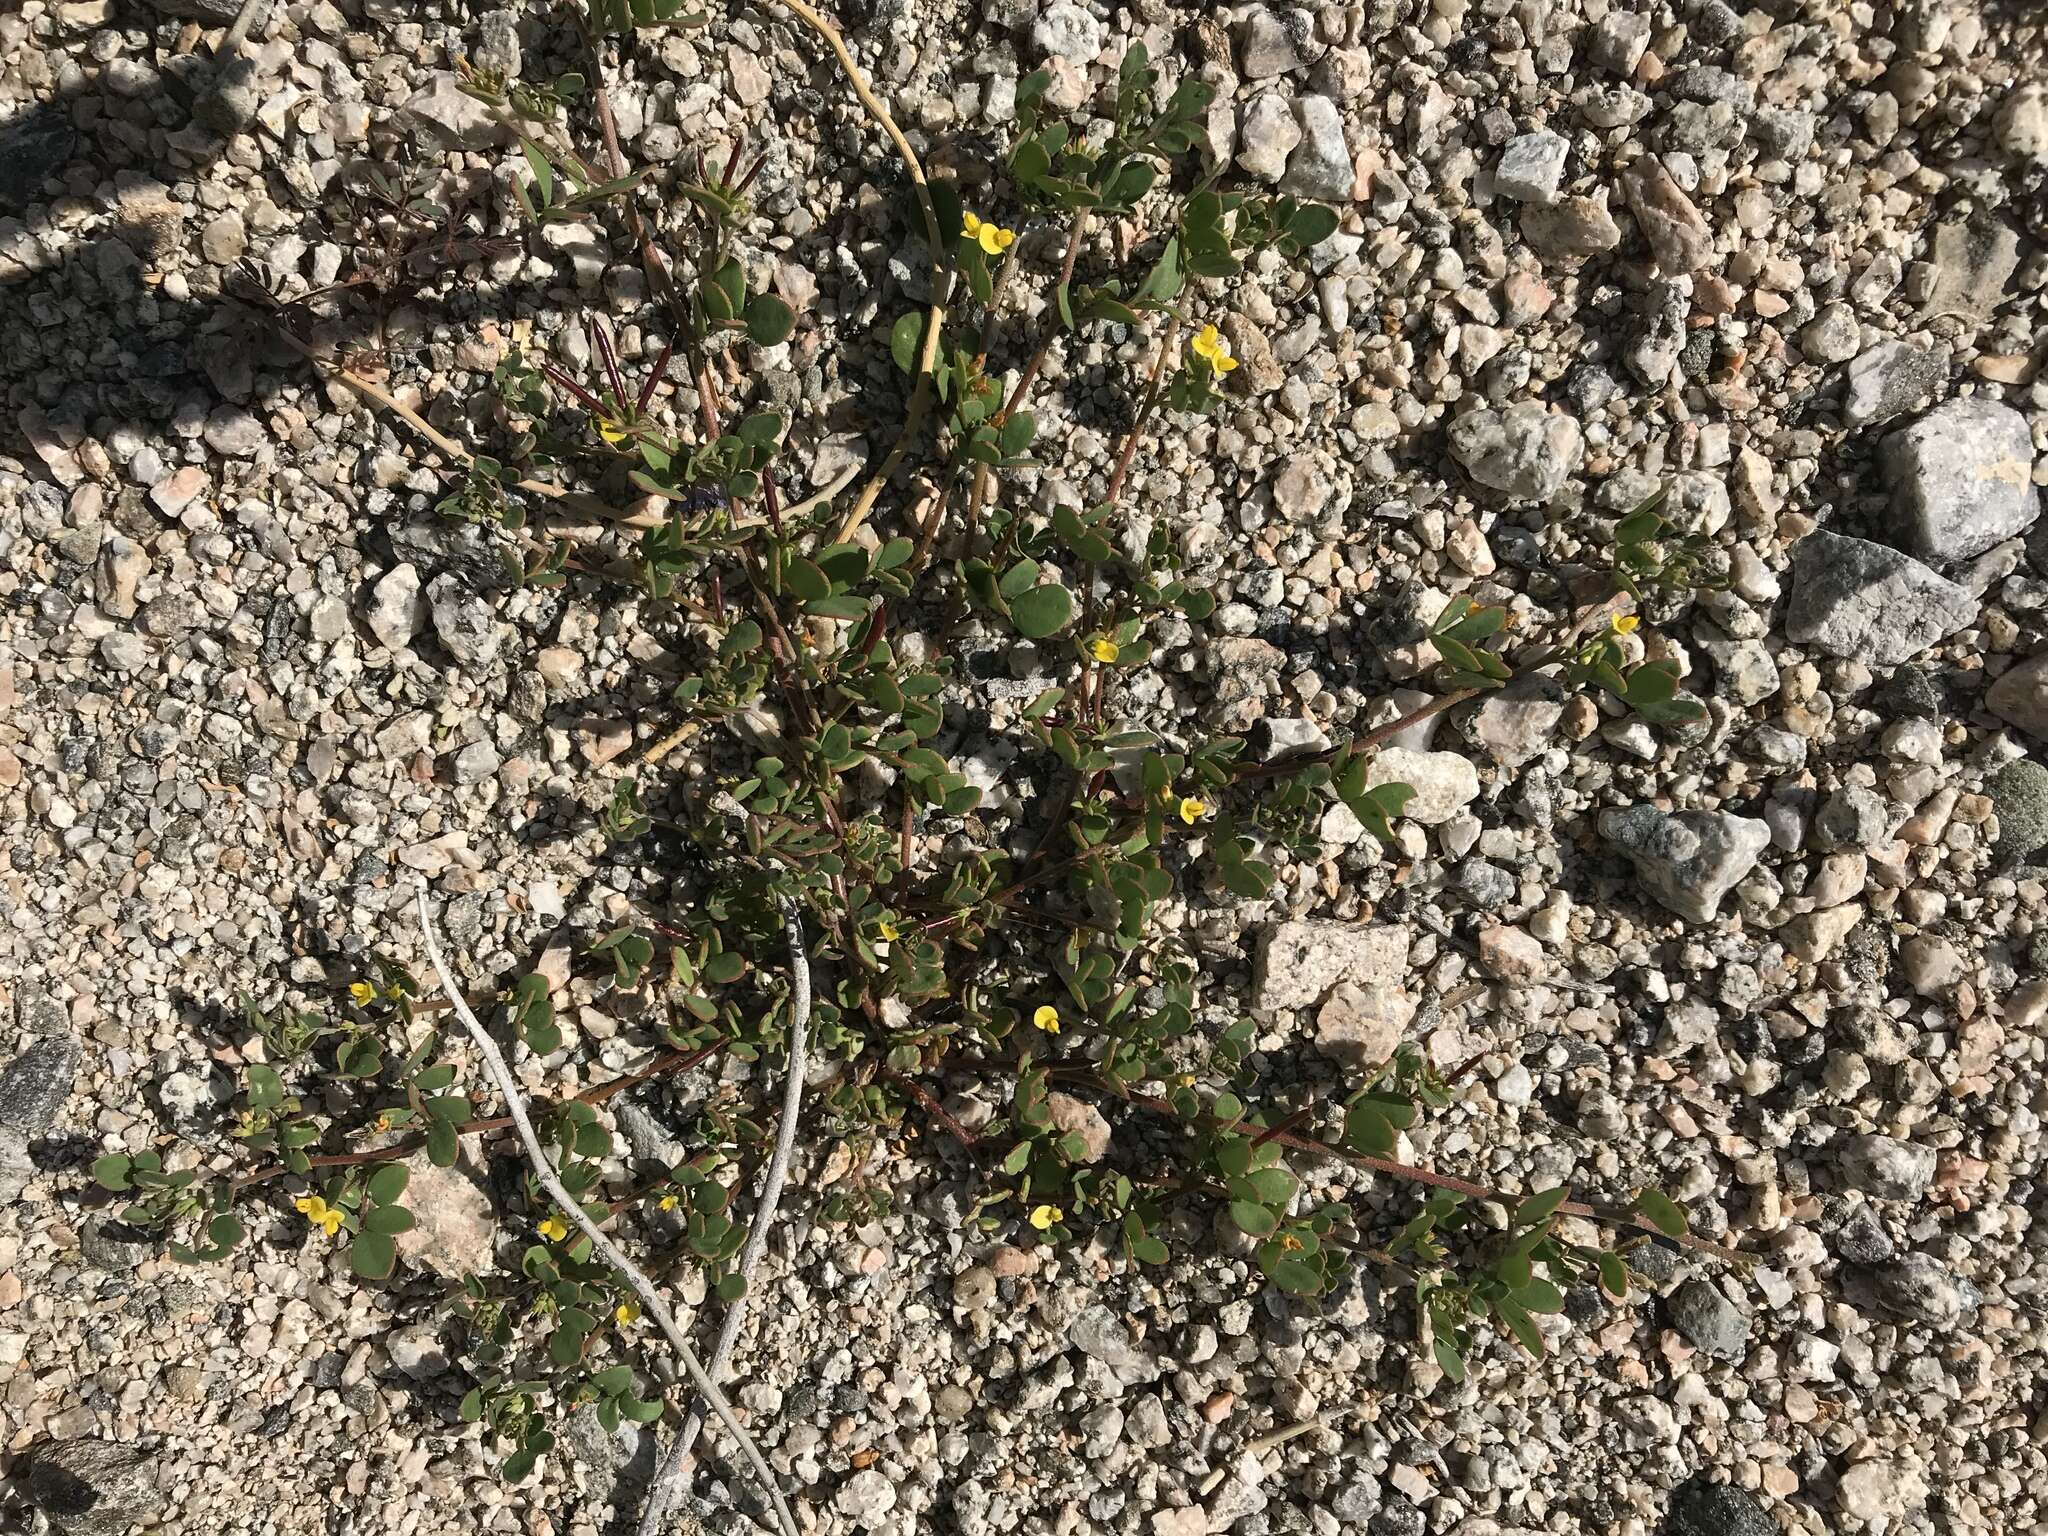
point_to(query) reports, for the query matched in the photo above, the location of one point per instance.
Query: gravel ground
(1786, 259)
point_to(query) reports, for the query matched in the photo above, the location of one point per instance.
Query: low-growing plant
(956, 942)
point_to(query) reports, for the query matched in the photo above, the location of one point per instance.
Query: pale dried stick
(650, 1299)
(675, 1465)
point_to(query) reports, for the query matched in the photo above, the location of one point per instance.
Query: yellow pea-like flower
(324, 1216)
(1192, 810)
(554, 1229)
(1212, 349)
(362, 992)
(1625, 624)
(1047, 1018)
(1043, 1217)
(627, 1312)
(667, 1202)
(889, 930)
(1104, 649)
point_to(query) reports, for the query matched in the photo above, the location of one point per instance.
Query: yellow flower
(1192, 811)
(610, 430)
(889, 930)
(1044, 1216)
(627, 1312)
(667, 1202)
(324, 1216)
(987, 234)
(1104, 649)
(1047, 1018)
(1625, 624)
(554, 1229)
(1212, 349)
(1290, 1243)
(362, 992)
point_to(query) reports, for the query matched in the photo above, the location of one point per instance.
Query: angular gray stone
(1276, 42)
(1887, 380)
(1885, 1167)
(1320, 166)
(1516, 723)
(1962, 479)
(1921, 1288)
(1973, 261)
(1362, 1024)
(2019, 793)
(1299, 962)
(1101, 1335)
(453, 118)
(1532, 167)
(1690, 860)
(1444, 782)
(2020, 696)
(1267, 136)
(1709, 1319)
(1527, 451)
(396, 611)
(1068, 31)
(1572, 229)
(1699, 1507)
(94, 1487)
(464, 621)
(36, 1083)
(1872, 604)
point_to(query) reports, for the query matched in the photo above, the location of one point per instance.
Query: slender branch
(650, 1299)
(675, 1465)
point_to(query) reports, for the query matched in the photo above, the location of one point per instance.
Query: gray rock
(1361, 1024)
(1619, 42)
(1887, 380)
(1267, 136)
(1962, 479)
(1532, 167)
(1068, 31)
(94, 1487)
(2021, 126)
(1527, 451)
(866, 1498)
(455, 119)
(1852, 817)
(1444, 782)
(2020, 696)
(1101, 1335)
(1572, 229)
(1709, 1319)
(1679, 237)
(36, 1083)
(1885, 1167)
(2019, 793)
(396, 611)
(1863, 601)
(1240, 1495)
(1690, 860)
(1973, 261)
(463, 621)
(1921, 1288)
(1702, 1508)
(1297, 963)
(1320, 166)
(1276, 42)
(455, 1225)
(1516, 723)
(34, 146)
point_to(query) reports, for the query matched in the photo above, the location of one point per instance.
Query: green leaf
(1613, 1274)
(1661, 1211)
(1522, 1326)
(111, 1171)
(806, 579)
(1312, 224)
(472, 1406)
(387, 1182)
(1539, 1295)
(372, 1254)
(543, 173)
(1449, 1360)
(1042, 611)
(1296, 1277)
(769, 321)
(732, 1287)
(225, 1230)
(1540, 1207)
(1253, 1219)
(904, 337)
(390, 1220)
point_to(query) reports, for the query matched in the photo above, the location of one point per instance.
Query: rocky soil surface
(1784, 258)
